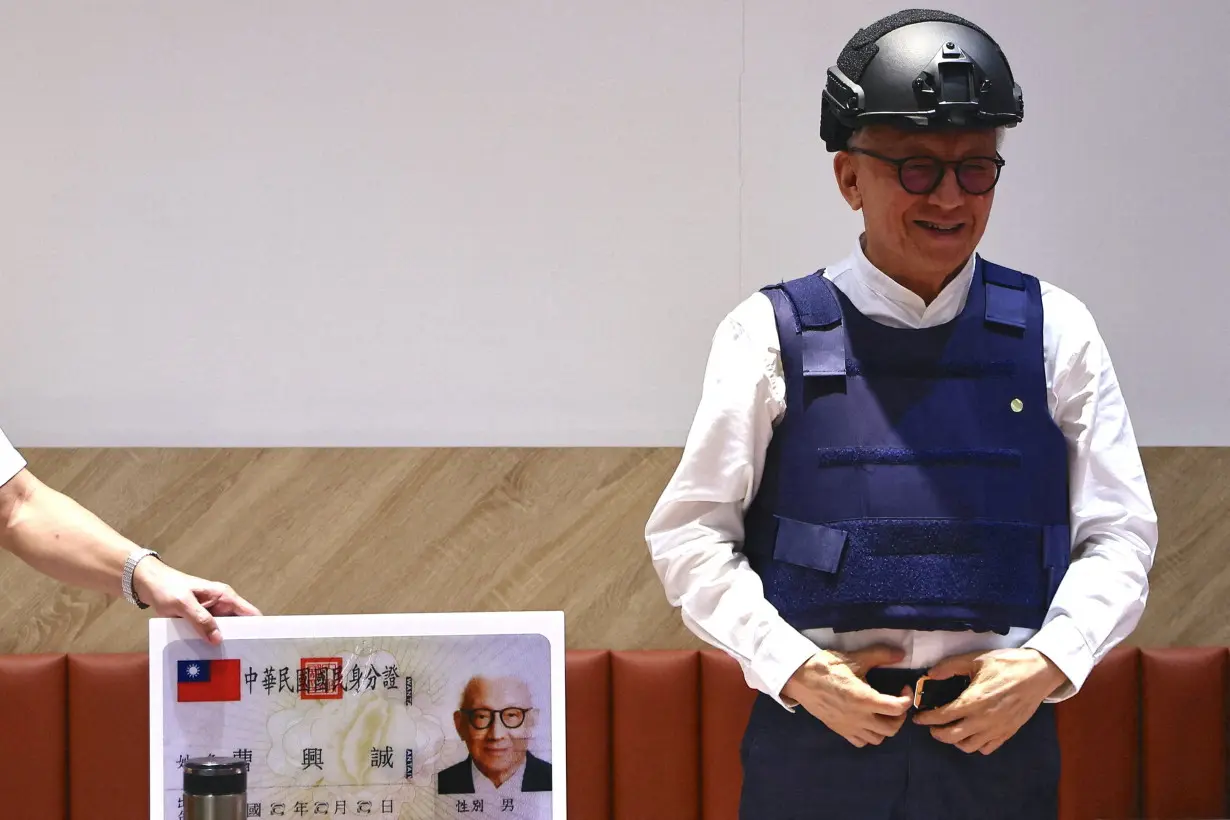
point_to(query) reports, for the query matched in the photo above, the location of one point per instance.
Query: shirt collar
(947, 303)
(513, 783)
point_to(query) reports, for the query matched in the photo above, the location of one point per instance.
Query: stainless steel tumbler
(215, 788)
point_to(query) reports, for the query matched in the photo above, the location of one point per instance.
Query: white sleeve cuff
(1061, 642)
(777, 658)
(11, 461)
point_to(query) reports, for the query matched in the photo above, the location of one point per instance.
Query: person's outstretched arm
(61, 539)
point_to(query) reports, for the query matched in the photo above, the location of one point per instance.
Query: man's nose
(948, 194)
(498, 729)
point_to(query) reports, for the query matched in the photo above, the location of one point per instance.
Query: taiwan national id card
(403, 716)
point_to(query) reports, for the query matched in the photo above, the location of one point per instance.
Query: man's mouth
(940, 227)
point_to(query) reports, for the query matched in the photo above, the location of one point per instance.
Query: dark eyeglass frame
(471, 715)
(941, 169)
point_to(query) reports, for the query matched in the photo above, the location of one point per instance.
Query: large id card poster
(398, 717)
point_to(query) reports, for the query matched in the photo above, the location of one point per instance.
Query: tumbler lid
(215, 776)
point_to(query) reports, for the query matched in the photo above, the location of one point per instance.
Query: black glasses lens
(977, 176)
(919, 176)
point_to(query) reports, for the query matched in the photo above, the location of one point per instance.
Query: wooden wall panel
(1189, 596)
(391, 530)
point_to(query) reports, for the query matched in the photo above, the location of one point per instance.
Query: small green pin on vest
(1017, 405)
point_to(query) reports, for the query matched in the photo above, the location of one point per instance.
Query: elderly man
(911, 501)
(496, 720)
(58, 537)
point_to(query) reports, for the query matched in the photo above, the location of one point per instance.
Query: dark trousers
(796, 768)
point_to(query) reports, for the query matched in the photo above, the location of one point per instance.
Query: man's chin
(500, 761)
(944, 259)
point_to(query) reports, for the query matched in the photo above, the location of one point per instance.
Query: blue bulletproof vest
(917, 479)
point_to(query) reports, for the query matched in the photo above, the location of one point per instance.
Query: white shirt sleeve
(1114, 524)
(11, 461)
(696, 530)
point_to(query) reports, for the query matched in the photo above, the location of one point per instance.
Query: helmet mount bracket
(951, 83)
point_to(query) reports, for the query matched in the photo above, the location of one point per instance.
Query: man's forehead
(497, 692)
(940, 143)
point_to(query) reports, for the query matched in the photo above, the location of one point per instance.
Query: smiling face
(497, 748)
(916, 238)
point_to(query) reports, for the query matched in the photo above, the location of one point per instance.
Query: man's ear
(845, 169)
(459, 723)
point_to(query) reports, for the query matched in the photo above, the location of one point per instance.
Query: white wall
(1117, 186)
(505, 222)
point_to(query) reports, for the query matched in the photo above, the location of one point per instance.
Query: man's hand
(832, 686)
(173, 594)
(1006, 687)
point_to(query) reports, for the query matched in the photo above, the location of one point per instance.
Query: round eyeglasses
(512, 717)
(922, 175)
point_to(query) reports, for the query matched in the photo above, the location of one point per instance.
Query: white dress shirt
(695, 532)
(520, 805)
(11, 461)
(483, 787)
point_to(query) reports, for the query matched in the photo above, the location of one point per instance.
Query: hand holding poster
(418, 716)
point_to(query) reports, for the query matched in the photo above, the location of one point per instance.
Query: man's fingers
(969, 736)
(948, 713)
(955, 733)
(887, 726)
(883, 704)
(232, 604)
(991, 745)
(220, 599)
(205, 624)
(872, 656)
(971, 744)
(957, 665)
(244, 607)
(966, 738)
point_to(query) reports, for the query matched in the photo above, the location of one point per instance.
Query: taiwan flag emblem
(207, 681)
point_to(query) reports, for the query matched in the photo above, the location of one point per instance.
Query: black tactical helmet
(919, 68)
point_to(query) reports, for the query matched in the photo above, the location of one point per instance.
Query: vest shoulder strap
(1007, 301)
(815, 305)
(813, 340)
